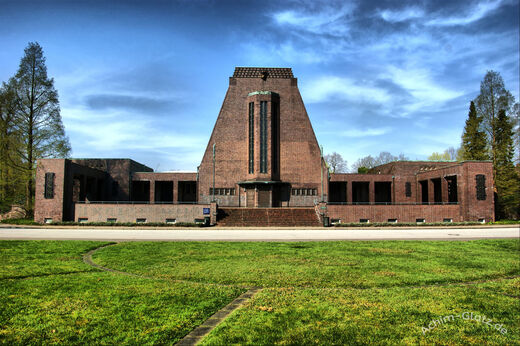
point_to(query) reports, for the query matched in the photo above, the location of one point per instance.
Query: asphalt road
(266, 234)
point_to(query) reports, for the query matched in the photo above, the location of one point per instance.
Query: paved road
(268, 234)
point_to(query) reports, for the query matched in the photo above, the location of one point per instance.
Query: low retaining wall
(150, 212)
(403, 213)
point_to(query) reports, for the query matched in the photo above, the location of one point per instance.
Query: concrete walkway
(266, 234)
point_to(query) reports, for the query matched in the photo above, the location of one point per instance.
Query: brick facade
(266, 155)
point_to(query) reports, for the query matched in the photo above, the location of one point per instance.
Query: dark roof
(257, 72)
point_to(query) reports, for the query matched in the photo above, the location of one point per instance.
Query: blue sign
(205, 211)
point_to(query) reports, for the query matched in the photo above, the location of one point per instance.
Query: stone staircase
(262, 217)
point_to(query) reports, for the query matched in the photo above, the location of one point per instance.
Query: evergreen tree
(493, 97)
(10, 191)
(507, 180)
(38, 119)
(473, 138)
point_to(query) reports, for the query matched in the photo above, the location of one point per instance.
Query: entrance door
(264, 197)
(250, 198)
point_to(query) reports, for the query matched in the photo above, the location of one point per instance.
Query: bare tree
(336, 163)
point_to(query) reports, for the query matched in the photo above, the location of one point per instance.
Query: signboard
(205, 211)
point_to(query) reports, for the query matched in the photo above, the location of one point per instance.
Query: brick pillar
(152, 191)
(372, 192)
(349, 192)
(175, 192)
(444, 190)
(213, 212)
(431, 192)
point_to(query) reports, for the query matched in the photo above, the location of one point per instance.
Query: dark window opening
(437, 190)
(164, 191)
(115, 188)
(408, 189)
(251, 137)
(481, 186)
(91, 189)
(275, 144)
(360, 192)
(424, 191)
(452, 189)
(49, 186)
(187, 191)
(338, 192)
(383, 192)
(100, 190)
(141, 191)
(263, 137)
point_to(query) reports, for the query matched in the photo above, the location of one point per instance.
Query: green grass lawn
(314, 292)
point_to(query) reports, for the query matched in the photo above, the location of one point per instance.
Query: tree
(473, 138)
(450, 154)
(336, 163)
(9, 178)
(507, 180)
(37, 116)
(493, 97)
(363, 164)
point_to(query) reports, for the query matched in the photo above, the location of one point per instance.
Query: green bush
(127, 224)
(19, 222)
(407, 224)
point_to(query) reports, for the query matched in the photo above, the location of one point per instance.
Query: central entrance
(262, 194)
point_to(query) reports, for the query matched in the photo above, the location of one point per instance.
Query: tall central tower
(266, 153)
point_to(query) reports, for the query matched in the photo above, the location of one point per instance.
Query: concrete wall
(131, 212)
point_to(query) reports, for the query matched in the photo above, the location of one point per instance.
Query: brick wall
(131, 212)
(403, 213)
(299, 153)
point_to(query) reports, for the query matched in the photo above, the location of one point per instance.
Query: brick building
(262, 156)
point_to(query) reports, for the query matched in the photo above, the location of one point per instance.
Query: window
(251, 137)
(263, 137)
(275, 134)
(408, 189)
(140, 220)
(481, 186)
(49, 185)
(171, 221)
(47, 220)
(222, 191)
(111, 219)
(392, 220)
(447, 220)
(364, 220)
(419, 220)
(82, 219)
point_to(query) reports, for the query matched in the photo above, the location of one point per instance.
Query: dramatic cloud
(146, 81)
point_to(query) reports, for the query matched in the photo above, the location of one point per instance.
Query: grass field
(314, 292)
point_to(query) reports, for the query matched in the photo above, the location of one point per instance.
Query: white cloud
(328, 87)
(476, 13)
(330, 19)
(419, 83)
(401, 15)
(356, 133)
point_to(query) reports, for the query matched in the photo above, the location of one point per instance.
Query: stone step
(267, 217)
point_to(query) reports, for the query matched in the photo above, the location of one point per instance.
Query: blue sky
(146, 79)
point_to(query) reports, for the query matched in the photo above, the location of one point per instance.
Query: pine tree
(38, 119)
(473, 139)
(507, 180)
